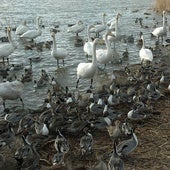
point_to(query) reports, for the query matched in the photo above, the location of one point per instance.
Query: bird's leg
(58, 63)
(77, 83)
(4, 104)
(63, 62)
(21, 101)
(91, 84)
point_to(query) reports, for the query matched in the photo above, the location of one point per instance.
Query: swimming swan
(32, 34)
(11, 91)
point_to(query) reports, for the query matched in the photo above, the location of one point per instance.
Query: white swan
(87, 70)
(116, 34)
(11, 91)
(144, 53)
(32, 34)
(88, 46)
(99, 27)
(160, 31)
(77, 28)
(21, 29)
(7, 48)
(58, 53)
(103, 56)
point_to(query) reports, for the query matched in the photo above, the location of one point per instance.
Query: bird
(32, 34)
(99, 27)
(87, 48)
(41, 128)
(128, 145)
(58, 53)
(77, 28)
(145, 54)
(21, 29)
(115, 162)
(87, 70)
(7, 48)
(11, 91)
(86, 143)
(104, 56)
(116, 34)
(160, 31)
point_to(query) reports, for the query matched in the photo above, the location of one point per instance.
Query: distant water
(62, 13)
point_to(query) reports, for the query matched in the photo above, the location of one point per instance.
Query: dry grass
(161, 5)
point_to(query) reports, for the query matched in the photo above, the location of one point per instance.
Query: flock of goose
(65, 113)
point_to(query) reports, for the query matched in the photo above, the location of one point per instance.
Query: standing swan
(87, 70)
(58, 53)
(103, 56)
(7, 48)
(88, 50)
(144, 53)
(11, 91)
(160, 31)
(32, 34)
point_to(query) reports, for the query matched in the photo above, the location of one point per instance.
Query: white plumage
(87, 70)
(160, 31)
(77, 28)
(87, 48)
(104, 56)
(32, 34)
(144, 53)
(21, 29)
(99, 27)
(7, 48)
(58, 53)
(11, 90)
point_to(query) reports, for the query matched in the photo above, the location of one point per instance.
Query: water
(66, 12)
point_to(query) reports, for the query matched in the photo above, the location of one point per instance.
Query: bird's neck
(54, 44)
(143, 43)
(163, 21)
(94, 60)
(10, 39)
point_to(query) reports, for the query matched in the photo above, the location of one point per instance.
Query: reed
(161, 5)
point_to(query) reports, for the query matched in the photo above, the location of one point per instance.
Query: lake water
(62, 13)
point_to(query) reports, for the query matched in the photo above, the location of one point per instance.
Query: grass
(161, 5)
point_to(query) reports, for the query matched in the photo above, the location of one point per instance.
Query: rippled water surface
(62, 13)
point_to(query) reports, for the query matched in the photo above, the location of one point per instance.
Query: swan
(116, 34)
(103, 56)
(77, 28)
(144, 53)
(21, 29)
(32, 34)
(7, 48)
(160, 31)
(87, 48)
(99, 27)
(87, 70)
(11, 91)
(58, 53)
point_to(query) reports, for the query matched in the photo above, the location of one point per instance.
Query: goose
(115, 162)
(127, 146)
(99, 27)
(145, 54)
(58, 53)
(77, 28)
(58, 158)
(11, 91)
(88, 46)
(104, 56)
(86, 143)
(7, 48)
(41, 128)
(21, 29)
(32, 34)
(87, 70)
(160, 31)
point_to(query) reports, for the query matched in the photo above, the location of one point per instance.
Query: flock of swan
(97, 109)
